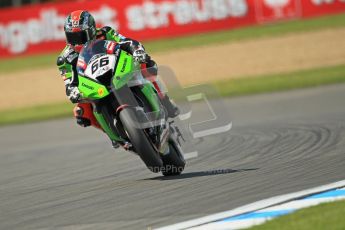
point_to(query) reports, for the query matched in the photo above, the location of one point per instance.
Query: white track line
(239, 224)
(268, 214)
(190, 155)
(253, 206)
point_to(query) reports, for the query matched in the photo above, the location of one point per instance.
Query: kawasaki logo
(124, 65)
(87, 86)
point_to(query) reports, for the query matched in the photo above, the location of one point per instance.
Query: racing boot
(115, 144)
(84, 115)
(171, 108)
(79, 115)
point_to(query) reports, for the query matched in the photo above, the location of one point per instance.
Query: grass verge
(320, 217)
(164, 45)
(37, 113)
(226, 88)
(280, 82)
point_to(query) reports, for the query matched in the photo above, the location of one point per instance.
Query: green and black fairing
(103, 81)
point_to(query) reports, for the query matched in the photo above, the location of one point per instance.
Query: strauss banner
(39, 28)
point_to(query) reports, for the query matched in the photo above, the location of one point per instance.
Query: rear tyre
(140, 141)
(174, 162)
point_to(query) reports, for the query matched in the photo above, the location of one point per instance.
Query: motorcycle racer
(80, 28)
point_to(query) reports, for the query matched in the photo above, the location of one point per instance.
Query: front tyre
(174, 162)
(140, 141)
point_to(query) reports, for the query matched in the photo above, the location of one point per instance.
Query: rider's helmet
(80, 27)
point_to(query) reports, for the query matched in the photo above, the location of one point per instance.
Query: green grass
(37, 113)
(279, 82)
(320, 217)
(27, 63)
(226, 88)
(165, 45)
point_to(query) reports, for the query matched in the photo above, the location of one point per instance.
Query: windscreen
(90, 52)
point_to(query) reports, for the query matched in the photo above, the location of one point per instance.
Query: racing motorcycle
(127, 107)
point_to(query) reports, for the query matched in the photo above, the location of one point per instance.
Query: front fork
(112, 134)
(153, 99)
(163, 147)
(151, 96)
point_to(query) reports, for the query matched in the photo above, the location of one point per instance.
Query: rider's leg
(150, 70)
(84, 115)
(83, 112)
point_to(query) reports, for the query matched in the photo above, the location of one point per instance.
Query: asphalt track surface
(55, 175)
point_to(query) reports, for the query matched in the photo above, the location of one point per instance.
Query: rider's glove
(141, 56)
(102, 33)
(73, 94)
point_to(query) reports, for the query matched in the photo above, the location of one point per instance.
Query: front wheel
(174, 162)
(140, 141)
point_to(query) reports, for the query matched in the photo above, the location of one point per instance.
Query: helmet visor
(77, 38)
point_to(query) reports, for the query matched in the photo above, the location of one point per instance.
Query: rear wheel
(173, 163)
(140, 140)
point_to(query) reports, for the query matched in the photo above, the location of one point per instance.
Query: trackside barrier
(38, 29)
